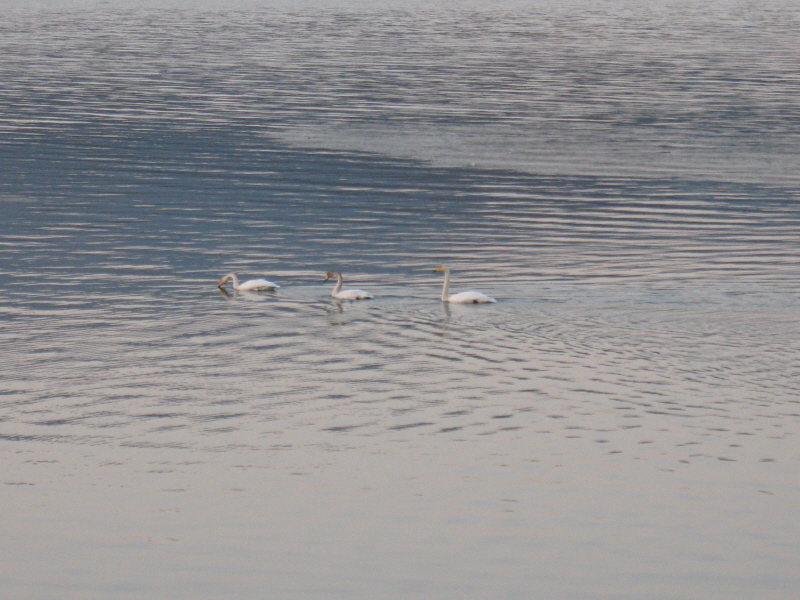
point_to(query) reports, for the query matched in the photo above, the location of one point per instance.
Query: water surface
(621, 424)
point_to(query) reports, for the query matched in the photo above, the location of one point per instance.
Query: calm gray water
(623, 423)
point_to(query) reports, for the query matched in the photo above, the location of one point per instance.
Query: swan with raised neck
(470, 297)
(346, 294)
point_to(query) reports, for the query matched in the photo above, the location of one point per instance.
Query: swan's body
(346, 294)
(470, 297)
(254, 285)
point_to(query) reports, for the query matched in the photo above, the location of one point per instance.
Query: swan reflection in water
(238, 295)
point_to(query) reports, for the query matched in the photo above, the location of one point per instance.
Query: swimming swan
(462, 297)
(254, 285)
(347, 294)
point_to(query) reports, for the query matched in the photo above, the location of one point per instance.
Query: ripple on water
(646, 332)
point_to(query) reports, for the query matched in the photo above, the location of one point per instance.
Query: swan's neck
(235, 281)
(446, 286)
(338, 287)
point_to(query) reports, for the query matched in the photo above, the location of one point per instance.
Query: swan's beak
(326, 279)
(438, 270)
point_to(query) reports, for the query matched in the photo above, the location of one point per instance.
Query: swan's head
(225, 280)
(442, 269)
(330, 274)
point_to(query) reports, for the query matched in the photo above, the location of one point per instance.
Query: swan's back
(257, 284)
(470, 298)
(353, 295)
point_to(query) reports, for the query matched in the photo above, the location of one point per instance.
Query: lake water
(623, 423)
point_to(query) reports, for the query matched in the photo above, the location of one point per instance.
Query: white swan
(254, 285)
(347, 294)
(462, 297)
